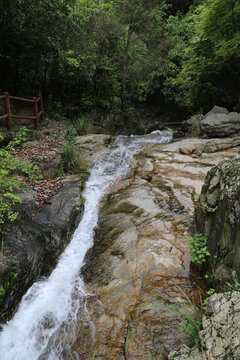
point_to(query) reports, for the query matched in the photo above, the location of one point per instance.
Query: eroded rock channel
(138, 259)
(140, 253)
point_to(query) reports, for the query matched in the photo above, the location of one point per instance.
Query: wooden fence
(9, 116)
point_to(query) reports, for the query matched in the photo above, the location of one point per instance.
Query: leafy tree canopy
(109, 53)
(204, 67)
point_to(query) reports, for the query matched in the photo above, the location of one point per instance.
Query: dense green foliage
(205, 59)
(10, 181)
(109, 53)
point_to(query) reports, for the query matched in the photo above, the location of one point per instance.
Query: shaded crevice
(124, 353)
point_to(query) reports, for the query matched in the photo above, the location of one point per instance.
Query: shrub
(234, 286)
(18, 140)
(70, 160)
(7, 285)
(210, 292)
(198, 248)
(82, 124)
(10, 181)
(195, 127)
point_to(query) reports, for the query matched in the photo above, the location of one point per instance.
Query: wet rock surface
(140, 255)
(92, 147)
(220, 336)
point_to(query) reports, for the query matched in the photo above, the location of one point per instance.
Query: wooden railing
(9, 116)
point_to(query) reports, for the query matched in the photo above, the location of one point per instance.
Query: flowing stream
(50, 307)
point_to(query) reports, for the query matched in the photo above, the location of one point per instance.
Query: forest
(113, 54)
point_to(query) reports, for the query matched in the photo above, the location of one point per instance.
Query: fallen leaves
(45, 189)
(46, 147)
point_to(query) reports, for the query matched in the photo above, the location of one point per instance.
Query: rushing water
(50, 307)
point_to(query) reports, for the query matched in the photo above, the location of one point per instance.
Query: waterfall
(50, 307)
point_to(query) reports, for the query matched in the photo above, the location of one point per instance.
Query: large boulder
(220, 123)
(217, 110)
(218, 218)
(220, 337)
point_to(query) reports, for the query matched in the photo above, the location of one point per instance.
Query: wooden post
(8, 110)
(41, 100)
(35, 112)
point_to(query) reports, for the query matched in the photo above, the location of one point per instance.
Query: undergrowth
(71, 159)
(11, 168)
(191, 321)
(195, 128)
(234, 286)
(82, 124)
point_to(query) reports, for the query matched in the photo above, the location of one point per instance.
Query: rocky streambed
(139, 256)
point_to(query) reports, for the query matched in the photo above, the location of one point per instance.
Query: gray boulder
(217, 110)
(220, 337)
(220, 123)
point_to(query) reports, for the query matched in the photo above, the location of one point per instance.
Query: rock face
(140, 254)
(218, 218)
(219, 123)
(220, 337)
(38, 236)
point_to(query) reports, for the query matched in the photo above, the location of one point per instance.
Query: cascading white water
(50, 307)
